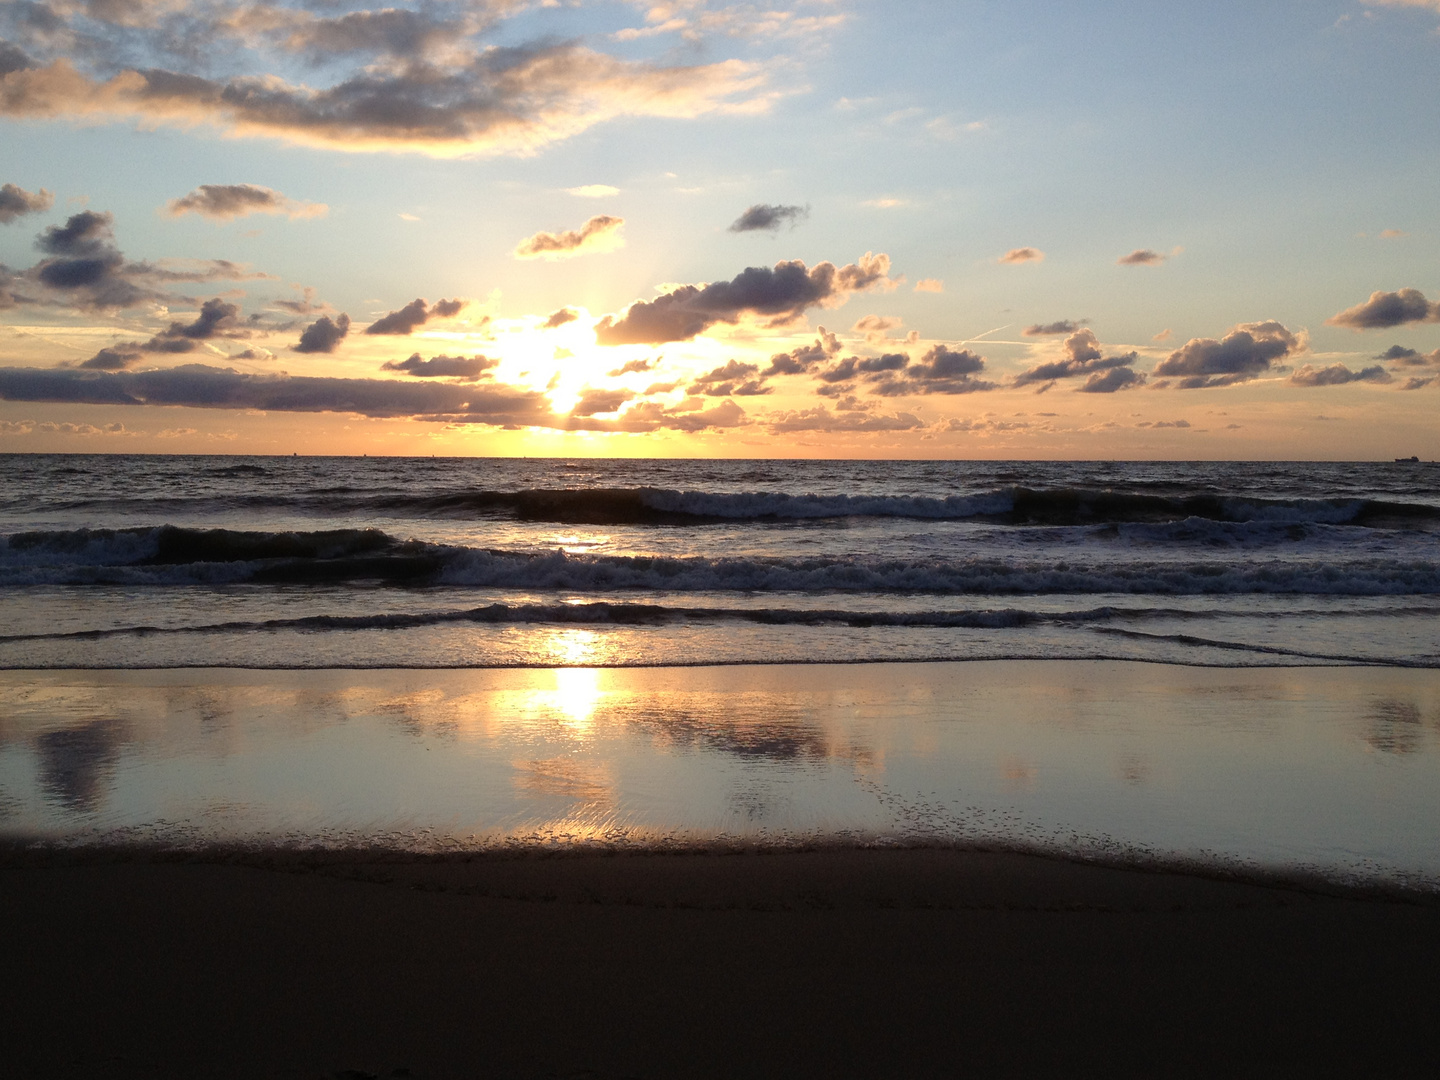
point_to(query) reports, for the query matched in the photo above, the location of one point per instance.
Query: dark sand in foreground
(864, 963)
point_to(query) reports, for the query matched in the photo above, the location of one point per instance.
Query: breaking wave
(170, 555)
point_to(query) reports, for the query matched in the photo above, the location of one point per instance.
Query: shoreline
(519, 860)
(848, 963)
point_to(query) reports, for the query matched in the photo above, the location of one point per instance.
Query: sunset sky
(976, 228)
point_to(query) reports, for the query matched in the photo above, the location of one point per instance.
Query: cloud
(635, 366)
(941, 370)
(1084, 357)
(449, 367)
(822, 419)
(804, 357)
(1392, 234)
(463, 98)
(763, 217)
(201, 386)
(1022, 255)
(600, 234)
(1141, 257)
(601, 401)
(306, 305)
(216, 318)
(84, 270)
(781, 294)
(16, 202)
(1338, 375)
(652, 416)
(1064, 326)
(416, 313)
(593, 191)
(1244, 353)
(930, 284)
(323, 335)
(560, 318)
(730, 378)
(226, 202)
(1385, 309)
(875, 327)
(1108, 382)
(1403, 357)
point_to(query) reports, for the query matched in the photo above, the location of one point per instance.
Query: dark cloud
(801, 359)
(88, 272)
(447, 367)
(941, 370)
(407, 81)
(782, 294)
(84, 234)
(226, 202)
(16, 202)
(638, 366)
(323, 335)
(600, 401)
(390, 32)
(1141, 257)
(1403, 357)
(217, 318)
(822, 419)
(204, 387)
(731, 378)
(1417, 383)
(1338, 375)
(765, 218)
(1107, 382)
(600, 233)
(416, 313)
(1084, 357)
(560, 318)
(13, 59)
(1385, 309)
(1244, 353)
(1064, 326)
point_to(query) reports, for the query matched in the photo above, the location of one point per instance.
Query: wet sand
(823, 963)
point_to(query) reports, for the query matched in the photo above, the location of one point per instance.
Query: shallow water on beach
(1336, 770)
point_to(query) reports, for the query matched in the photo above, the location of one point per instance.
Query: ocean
(1232, 661)
(153, 562)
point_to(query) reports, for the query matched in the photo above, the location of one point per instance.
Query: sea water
(130, 585)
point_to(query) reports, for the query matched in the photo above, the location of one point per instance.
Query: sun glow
(577, 693)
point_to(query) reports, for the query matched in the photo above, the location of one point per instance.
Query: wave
(616, 614)
(1015, 506)
(641, 615)
(171, 555)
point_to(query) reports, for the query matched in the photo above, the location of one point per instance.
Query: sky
(1107, 229)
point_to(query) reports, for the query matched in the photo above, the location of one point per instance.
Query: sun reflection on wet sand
(1039, 753)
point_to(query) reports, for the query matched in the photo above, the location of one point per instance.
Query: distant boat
(1415, 460)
